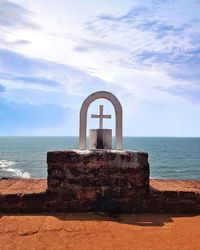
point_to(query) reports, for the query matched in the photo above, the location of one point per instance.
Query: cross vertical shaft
(100, 116)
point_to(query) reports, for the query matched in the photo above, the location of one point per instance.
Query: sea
(169, 157)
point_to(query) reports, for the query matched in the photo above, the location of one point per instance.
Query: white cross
(101, 116)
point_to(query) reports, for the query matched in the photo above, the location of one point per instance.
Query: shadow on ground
(144, 220)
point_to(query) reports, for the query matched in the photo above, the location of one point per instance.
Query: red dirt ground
(99, 231)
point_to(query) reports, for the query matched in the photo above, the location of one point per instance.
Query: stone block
(100, 138)
(96, 177)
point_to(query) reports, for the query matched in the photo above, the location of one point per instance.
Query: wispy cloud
(27, 80)
(15, 15)
(178, 64)
(162, 35)
(4, 42)
(45, 76)
(189, 92)
(86, 45)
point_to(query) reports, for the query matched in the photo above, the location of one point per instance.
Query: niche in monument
(101, 138)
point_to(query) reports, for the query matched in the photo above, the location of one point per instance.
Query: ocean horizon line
(125, 136)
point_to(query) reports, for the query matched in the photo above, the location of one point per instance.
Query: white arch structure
(83, 117)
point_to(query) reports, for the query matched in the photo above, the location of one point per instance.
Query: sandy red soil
(99, 231)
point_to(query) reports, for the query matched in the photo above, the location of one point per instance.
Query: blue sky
(53, 54)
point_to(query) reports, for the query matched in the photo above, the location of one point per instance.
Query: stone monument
(99, 178)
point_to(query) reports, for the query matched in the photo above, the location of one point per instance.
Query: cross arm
(107, 116)
(95, 116)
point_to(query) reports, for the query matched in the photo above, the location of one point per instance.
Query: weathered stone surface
(165, 196)
(98, 176)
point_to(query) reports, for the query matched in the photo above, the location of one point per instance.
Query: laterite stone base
(165, 196)
(98, 180)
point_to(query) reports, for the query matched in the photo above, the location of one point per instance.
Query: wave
(7, 170)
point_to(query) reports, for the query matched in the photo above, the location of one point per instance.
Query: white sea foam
(5, 164)
(7, 170)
